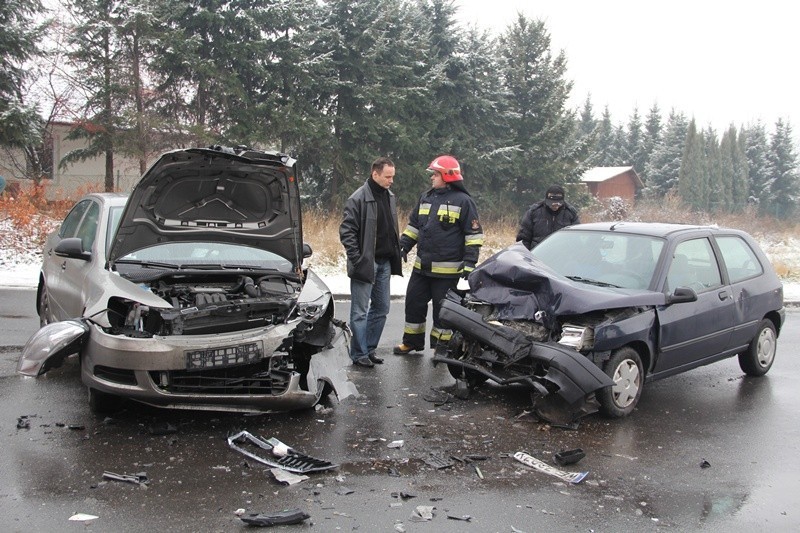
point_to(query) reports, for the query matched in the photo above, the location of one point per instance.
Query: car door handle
(723, 295)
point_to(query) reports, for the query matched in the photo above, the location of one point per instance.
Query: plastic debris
(83, 517)
(287, 478)
(478, 471)
(568, 457)
(569, 477)
(282, 518)
(285, 457)
(393, 472)
(403, 495)
(23, 422)
(464, 518)
(396, 444)
(344, 491)
(422, 513)
(437, 461)
(136, 479)
(704, 464)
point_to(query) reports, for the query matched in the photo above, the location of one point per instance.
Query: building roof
(600, 174)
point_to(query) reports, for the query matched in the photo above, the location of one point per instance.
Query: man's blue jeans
(368, 309)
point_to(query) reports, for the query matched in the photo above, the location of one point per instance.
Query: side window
(70, 224)
(694, 265)
(87, 231)
(740, 260)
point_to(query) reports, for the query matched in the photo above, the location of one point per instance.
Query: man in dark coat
(545, 217)
(371, 241)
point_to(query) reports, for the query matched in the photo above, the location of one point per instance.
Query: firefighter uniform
(448, 235)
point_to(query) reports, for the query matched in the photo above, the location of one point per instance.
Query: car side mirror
(72, 247)
(307, 251)
(682, 295)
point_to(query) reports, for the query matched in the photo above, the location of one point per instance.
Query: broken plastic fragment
(465, 518)
(291, 460)
(395, 444)
(83, 517)
(570, 477)
(568, 457)
(287, 478)
(438, 461)
(136, 479)
(704, 464)
(291, 516)
(423, 513)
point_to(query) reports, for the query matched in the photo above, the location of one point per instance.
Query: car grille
(232, 381)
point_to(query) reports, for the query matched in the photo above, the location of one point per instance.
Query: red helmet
(448, 167)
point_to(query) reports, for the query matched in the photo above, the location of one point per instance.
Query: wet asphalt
(708, 450)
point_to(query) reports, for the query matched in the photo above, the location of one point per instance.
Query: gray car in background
(191, 293)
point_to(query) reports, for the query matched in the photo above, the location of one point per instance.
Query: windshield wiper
(148, 264)
(222, 266)
(590, 281)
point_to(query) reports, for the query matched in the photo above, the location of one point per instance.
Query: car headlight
(578, 337)
(310, 311)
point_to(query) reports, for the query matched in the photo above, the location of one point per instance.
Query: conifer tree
(756, 152)
(692, 176)
(665, 162)
(784, 186)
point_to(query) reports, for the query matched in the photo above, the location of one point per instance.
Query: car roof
(653, 229)
(108, 198)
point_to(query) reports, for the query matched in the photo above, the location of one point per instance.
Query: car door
(67, 279)
(751, 294)
(691, 332)
(53, 266)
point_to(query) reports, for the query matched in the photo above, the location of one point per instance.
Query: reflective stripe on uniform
(474, 240)
(424, 209)
(451, 211)
(411, 232)
(414, 329)
(442, 334)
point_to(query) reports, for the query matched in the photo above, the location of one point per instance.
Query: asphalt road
(644, 472)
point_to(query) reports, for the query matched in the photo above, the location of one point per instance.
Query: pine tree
(693, 173)
(587, 120)
(727, 168)
(740, 183)
(650, 139)
(717, 189)
(20, 124)
(784, 188)
(756, 152)
(540, 126)
(665, 161)
(634, 145)
(604, 153)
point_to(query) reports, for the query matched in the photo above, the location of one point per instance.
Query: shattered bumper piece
(569, 477)
(136, 479)
(567, 374)
(283, 518)
(281, 455)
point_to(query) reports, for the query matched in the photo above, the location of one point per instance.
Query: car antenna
(613, 226)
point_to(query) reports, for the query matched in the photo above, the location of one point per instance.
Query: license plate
(241, 354)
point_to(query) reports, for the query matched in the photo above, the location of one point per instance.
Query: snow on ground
(20, 259)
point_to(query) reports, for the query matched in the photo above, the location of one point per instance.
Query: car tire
(101, 403)
(625, 369)
(757, 359)
(44, 306)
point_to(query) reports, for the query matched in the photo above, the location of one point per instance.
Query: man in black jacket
(546, 217)
(371, 241)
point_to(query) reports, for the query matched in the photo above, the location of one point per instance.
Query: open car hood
(211, 195)
(518, 285)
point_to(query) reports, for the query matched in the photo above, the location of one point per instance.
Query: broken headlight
(310, 311)
(578, 337)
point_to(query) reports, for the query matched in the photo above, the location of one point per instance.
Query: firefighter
(447, 233)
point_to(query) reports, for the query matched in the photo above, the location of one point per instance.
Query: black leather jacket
(358, 232)
(538, 222)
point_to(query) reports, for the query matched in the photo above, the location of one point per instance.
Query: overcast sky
(719, 62)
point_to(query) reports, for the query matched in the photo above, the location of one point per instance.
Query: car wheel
(625, 369)
(759, 356)
(44, 306)
(103, 403)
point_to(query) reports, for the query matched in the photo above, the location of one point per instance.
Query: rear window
(740, 260)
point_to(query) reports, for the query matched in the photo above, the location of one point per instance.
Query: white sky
(719, 62)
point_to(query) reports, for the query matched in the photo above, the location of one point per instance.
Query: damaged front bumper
(564, 379)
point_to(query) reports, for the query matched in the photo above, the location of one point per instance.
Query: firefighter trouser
(422, 289)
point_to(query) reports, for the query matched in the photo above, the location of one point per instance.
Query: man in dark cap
(545, 217)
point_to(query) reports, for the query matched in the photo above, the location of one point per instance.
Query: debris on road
(568, 457)
(282, 518)
(161, 428)
(23, 422)
(403, 495)
(287, 478)
(136, 479)
(83, 517)
(704, 464)
(422, 513)
(287, 458)
(570, 477)
(464, 518)
(396, 444)
(438, 461)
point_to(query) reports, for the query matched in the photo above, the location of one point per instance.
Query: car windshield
(602, 258)
(208, 255)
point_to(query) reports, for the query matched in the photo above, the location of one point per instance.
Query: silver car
(191, 293)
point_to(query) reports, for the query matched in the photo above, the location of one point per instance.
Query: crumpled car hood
(211, 195)
(518, 285)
